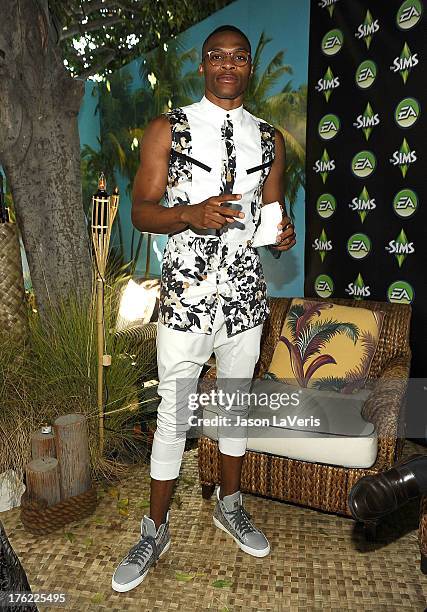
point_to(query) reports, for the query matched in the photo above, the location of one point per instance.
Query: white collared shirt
(201, 269)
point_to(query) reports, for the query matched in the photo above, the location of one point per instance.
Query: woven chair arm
(140, 340)
(422, 532)
(137, 334)
(385, 409)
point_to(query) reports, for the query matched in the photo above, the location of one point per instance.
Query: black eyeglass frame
(230, 53)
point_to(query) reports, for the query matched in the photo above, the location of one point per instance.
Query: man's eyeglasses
(217, 58)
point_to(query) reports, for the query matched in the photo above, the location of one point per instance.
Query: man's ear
(200, 69)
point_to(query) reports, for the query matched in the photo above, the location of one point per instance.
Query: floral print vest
(205, 269)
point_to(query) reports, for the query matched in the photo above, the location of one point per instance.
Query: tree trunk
(72, 450)
(40, 151)
(42, 480)
(42, 445)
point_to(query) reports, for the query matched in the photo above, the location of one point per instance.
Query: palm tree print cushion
(326, 346)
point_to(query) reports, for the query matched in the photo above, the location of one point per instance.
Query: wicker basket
(39, 518)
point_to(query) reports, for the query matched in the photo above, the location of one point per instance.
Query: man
(216, 165)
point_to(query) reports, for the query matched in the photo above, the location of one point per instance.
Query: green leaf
(123, 503)
(97, 598)
(70, 536)
(221, 584)
(183, 576)
(99, 520)
(88, 542)
(143, 504)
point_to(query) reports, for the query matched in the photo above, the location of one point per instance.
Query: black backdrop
(366, 216)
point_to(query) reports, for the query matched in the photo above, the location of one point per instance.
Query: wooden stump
(72, 450)
(42, 445)
(43, 479)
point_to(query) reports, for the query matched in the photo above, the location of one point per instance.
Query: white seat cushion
(332, 430)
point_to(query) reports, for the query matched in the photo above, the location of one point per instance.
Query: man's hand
(287, 237)
(210, 214)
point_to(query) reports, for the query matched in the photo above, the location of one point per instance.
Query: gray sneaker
(231, 517)
(132, 570)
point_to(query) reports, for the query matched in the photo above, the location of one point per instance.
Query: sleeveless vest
(205, 269)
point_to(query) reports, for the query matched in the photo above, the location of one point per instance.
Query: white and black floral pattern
(228, 174)
(267, 133)
(201, 273)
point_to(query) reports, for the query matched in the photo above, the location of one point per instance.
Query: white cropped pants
(181, 356)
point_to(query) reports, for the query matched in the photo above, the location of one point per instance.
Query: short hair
(225, 28)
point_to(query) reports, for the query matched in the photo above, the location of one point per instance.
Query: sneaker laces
(241, 520)
(139, 553)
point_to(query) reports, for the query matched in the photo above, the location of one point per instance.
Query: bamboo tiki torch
(104, 209)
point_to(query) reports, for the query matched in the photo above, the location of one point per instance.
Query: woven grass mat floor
(318, 561)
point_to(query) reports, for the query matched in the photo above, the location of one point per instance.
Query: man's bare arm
(148, 215)
(149, 185)
(273, 191)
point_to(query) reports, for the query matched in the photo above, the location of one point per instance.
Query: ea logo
(405, 203)
(363, 164)
(409, 14)
(324, 286)
(400, 292)
(326, 205)
(407, 112)
(332, 42)
(358, 246)
(329, 126)
(366, 74)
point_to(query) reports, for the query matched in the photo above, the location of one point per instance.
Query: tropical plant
(125, 112)
(55, 373)
(308, 337)
(286, 110)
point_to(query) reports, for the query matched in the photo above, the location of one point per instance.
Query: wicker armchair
(320, 486)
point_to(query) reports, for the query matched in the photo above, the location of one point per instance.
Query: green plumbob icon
(358, 290)
(404, 157)
(322, 245)
(405, 62)
(366, 74)
(400, 247)
(328, 127)
(363, 164)
(400, 292)
(409, 14)
(367, 121)
(332, 42)
(328, 4)
(326, 205)
(324, 165)
(358, 246)
(324, 286)
(328, 83)
(407, 112)
(367, 29)
(405, 203)
(363, 204)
